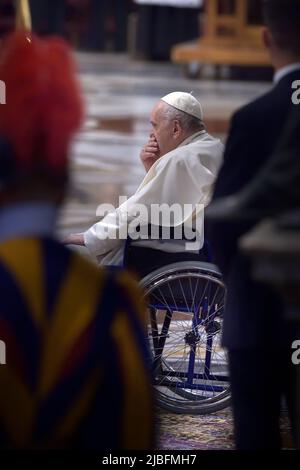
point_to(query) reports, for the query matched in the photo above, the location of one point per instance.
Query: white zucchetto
(184, 102)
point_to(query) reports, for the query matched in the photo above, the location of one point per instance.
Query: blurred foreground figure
(275, 190)
(255, 331)
(274, 247)
(75, 373)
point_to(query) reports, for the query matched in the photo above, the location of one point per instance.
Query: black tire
(173, 285)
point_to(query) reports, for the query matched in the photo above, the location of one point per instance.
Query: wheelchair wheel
(185, 304)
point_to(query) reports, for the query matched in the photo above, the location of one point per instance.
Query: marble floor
(119, 95)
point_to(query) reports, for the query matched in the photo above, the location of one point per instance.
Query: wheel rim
(184, 331)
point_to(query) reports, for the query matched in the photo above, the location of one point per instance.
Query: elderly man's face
(164, 129)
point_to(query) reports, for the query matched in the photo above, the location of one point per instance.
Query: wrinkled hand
(74, 239)
(150, 153)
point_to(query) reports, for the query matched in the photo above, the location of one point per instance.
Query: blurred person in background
(107, 26)
(164, 23)
(76, 372)
(7, 17)
(48, 16)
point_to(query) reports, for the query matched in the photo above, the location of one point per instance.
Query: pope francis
(181, 160)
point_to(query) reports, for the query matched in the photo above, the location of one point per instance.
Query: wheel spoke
(183, 293)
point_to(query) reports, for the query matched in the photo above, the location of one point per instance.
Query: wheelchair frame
(187, 322)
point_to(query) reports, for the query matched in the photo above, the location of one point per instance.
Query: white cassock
(184, 176)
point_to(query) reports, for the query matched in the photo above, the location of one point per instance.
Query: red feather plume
(43, 103)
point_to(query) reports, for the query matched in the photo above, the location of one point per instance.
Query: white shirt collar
(192, 138)
(285, 71)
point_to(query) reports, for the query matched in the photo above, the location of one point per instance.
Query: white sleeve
(104, 236)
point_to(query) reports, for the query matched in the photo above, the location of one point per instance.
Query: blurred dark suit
(277, 185)
(254, 330)
(254, 135)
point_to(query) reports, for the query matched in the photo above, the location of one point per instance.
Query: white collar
(285, 71)
(152, 172)
(192, 138)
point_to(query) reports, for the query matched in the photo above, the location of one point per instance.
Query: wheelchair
(185, 300)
